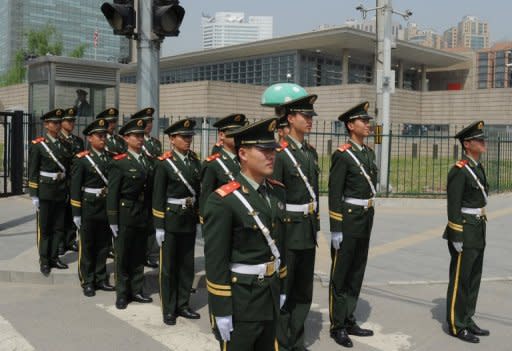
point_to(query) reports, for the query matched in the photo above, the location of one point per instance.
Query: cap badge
(58, 112)
(366, 106)
(272, 126)
(480, 125)
(148, 112)
(186, 124)
(238, 118)
(101, 122)
(139, 123)
(111, 112)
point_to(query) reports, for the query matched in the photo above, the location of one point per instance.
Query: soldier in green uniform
(467, 197)
(297, 167)
(115, 144)
(128, 200)
(221, 130)
(244, 245)
(48, 165)
(152, 148)
(75, 144)
(175, 214)
(352, 180)
(283, 128)
(89, 183)
(222, 166)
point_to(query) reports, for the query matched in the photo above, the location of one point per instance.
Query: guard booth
(64, 82)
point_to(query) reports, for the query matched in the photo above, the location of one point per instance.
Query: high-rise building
(397, 30)
(494, 66)
(470, 32)
(76, 21)
(424, 37)
(230, 28)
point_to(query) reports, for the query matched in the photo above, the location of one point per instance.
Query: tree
(79, 51)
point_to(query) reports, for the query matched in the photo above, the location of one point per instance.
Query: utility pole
(148, 62)
(384, 81)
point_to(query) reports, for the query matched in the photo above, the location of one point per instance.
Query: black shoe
(170, 319)
(89, 291)
(141, 298)
(358, 331)
(466, 335)
(475, 329)
(188, 313)
(121, 303)
(58, 264)
(45, 269)
(73, 247)
(105, 286)
(341, 337)
(151, 264)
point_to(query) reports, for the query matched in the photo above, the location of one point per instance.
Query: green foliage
(16, 73)
(79, 51)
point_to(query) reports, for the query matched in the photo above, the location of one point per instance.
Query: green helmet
(280, 93)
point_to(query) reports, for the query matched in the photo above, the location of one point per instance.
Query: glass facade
(493, 70)
(483, 70)
(75, 20)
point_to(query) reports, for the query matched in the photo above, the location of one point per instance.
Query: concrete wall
(14, 97)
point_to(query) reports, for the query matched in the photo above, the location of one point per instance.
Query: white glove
(160, 236)
(225, 326)
(35, 203)
(282, 300)
(78, 221)
(336, 239)
(114, 228)
(457, 245)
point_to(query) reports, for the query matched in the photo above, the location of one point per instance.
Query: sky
(298, 16)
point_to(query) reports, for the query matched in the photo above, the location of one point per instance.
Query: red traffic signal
(121, 16)
(167, 17)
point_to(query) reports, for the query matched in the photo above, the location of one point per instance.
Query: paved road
(403, 299)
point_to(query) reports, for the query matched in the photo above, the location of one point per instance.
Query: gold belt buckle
(370, 203)
(483, 212)
(60, 176)
(103, 192)
(188, 202)
(270, 268)
(311, 208)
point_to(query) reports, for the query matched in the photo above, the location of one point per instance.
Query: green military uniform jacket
(213, 175)
(347, 180)
(115, 144)
(129, 191)
(39, 160)
(463, 191)
(74, 143)
(216, 148)
(84, 175)
(232, 236)
(152, 148)
(297, 193)
(167, 184)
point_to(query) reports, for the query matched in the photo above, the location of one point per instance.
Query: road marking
(417, 238)
(10, 339)
(184, 336)
(384, 342)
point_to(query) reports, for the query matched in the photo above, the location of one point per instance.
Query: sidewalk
(406, 244)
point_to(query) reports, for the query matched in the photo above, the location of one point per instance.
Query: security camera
(360, 7)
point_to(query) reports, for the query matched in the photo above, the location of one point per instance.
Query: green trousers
(50, 226)
(130, 252)
(347, 273)
(69, 234)
(251, 336)
(176, 271)
(92, 252)
(299, 295)
(463, 287)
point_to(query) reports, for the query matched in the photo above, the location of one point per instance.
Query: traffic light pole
(148, 63)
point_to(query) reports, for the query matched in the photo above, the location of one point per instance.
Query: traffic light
(121, 16)
(167, 17)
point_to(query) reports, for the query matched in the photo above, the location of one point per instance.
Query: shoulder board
(228, 188)
(218, 144)
(344, 147)
(275, 182)
(213, 157)
(284, 145)
(120, 157)
(165, 156)
(461, 163)
(37, 140)
(82, 154)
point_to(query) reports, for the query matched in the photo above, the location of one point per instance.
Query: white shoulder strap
(361, 167)
(225, 168)
(302, 175)
(180, 175)
(95, 166)
(482, 189)
(54, 158)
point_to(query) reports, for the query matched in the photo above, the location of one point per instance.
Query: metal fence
(420, 156)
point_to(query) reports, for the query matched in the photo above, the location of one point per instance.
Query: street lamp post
(385, 82)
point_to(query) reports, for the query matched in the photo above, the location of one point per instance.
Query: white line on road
(384, 342)
(10, 339)
(184, 336)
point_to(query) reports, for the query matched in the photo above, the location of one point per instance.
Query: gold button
(463, 221)
(349, 210)
(273, 225)
(271, 258)
(234, 279)
(255, 227)
(168, 208)
(122, 203)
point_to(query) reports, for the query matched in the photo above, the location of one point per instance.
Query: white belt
(366, 203)
(185, 202)
(473, 211)
(96, 191)
(308, 208)
(53, 175)
(261, 270)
